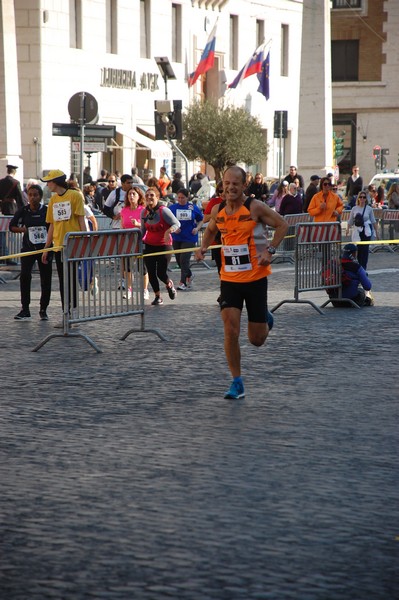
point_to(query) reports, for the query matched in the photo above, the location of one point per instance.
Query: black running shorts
(254, 294)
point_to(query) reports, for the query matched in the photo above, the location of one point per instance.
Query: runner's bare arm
(261, 212)
(209, 234)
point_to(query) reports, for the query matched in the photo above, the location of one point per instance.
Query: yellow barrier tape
(53, 249)
(57, 248)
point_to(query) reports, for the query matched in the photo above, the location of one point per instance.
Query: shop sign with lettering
(128, 80)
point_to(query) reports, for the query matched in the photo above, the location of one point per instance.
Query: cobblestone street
(126, 475)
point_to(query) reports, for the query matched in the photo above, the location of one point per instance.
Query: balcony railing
(347, 4)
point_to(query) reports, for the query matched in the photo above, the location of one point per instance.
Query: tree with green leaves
(222, 136)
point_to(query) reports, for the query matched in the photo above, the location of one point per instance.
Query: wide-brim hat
(54, 174)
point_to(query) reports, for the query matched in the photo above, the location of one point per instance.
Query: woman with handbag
(364, 225)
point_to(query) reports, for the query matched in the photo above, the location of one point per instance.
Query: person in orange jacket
(163, 182)
(325, 206)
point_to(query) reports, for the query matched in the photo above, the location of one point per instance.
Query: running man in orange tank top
(246, 258)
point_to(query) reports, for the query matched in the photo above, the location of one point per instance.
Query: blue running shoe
(269, 319)
(236, 391)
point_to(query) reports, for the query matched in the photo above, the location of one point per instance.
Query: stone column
(10, 128)
(315, 102)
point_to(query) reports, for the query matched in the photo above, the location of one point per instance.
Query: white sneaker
(182, 286)
(146, 295)
(127, 295)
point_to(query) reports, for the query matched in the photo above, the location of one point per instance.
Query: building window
(345, 60)
(75, 24)
(111, 26)
(284, 50)
(176, 33)
(347, 4)
(145, 29)
(233, 55)
(260, 32)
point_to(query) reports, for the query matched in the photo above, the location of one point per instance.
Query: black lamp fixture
(166, 71)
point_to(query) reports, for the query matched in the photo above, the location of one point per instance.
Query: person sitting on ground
(356, 285)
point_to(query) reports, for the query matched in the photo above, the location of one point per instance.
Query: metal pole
(82, 134)
(184, 157)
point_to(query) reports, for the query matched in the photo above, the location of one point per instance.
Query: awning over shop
(158, 148)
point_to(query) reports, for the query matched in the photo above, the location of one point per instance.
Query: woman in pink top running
(130, 218)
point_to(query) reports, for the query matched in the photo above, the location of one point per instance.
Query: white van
(385, 179)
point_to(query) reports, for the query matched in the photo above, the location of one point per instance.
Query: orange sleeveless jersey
(242, 240)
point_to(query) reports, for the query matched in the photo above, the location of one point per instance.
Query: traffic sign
(89, 146)
(73, 130)
(376, 151)
(89, 108)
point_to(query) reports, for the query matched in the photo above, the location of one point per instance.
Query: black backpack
(109, 210)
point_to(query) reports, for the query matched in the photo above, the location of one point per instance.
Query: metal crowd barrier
(9, 240)
(317, 246)
(287, 248)
(93, 264)
(389, 229)
(104, 222)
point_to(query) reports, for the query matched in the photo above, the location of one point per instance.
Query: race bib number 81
(236, 258)
(62, 211)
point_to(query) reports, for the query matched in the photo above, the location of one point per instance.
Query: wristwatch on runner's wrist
(271, 250)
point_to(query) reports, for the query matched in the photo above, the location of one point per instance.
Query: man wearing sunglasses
(103, 192)
(325, 206)
(116, 199)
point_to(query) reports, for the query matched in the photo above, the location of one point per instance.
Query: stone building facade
(365, 81)
(52, 49)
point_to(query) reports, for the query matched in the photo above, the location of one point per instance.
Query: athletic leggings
(157, 266)
(183, 259)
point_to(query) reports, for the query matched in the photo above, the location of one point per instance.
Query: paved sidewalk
(126, 475)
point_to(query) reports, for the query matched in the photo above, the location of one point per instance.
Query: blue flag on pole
(263, 77)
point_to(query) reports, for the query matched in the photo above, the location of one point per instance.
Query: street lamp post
(166, 71)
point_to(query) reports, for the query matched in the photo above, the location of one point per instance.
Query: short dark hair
(184, 191)
(37, 187)
(125, 178)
